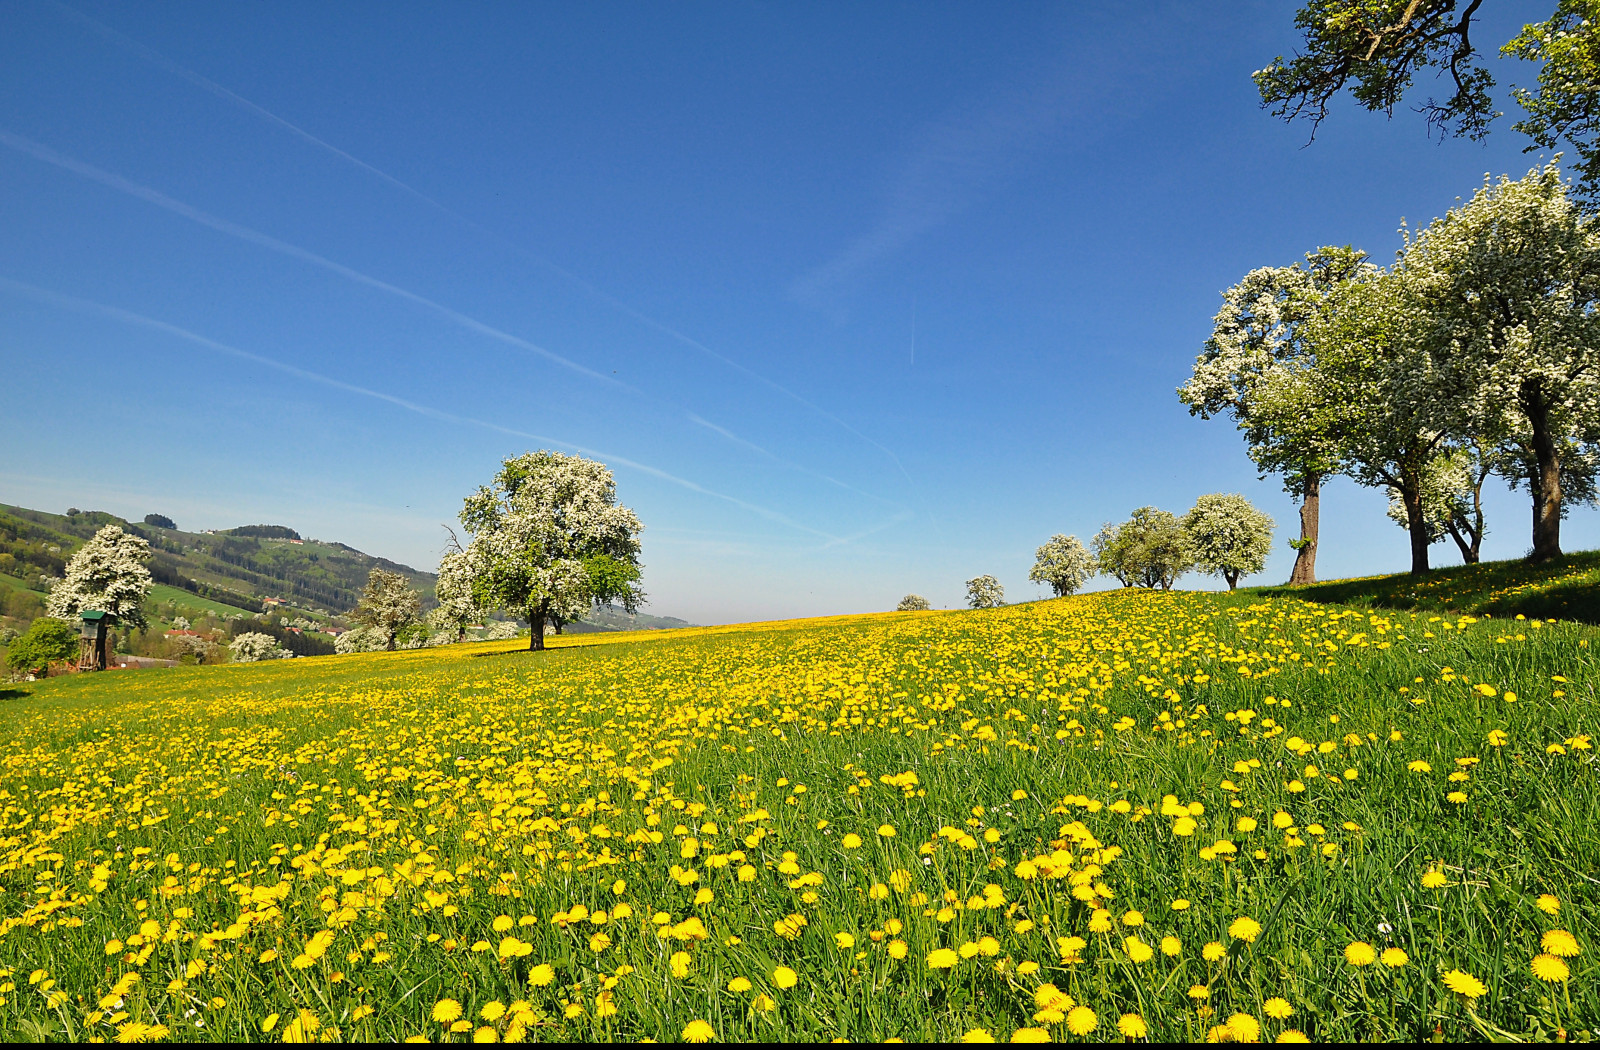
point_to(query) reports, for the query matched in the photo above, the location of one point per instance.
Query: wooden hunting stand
(92, 634)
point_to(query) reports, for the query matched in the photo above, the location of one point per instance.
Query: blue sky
(855, 299)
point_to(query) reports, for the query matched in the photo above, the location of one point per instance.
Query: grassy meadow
(1122, 815)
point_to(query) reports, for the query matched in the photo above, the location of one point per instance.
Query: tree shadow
(14, 694)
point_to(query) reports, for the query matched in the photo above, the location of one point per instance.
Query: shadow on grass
(1566, 588)
(13, 694)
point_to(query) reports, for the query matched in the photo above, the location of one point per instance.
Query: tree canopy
(549, 540)
(108, 573)
(1228, 537)
(1063, 564)
(985, 592)
(388, 605)
(1376, 49)
(913, 603)
(1149, 549)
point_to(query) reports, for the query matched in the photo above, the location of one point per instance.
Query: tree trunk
(1545, 484)
(1305, 560)
(1468, 546)
(536, 618)
(1232, 577)
(461, 632)
(1418, 528)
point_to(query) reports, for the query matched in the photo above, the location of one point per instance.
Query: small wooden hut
(92, 634)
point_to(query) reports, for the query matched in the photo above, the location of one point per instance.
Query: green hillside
(235, 569)
(1566, 588)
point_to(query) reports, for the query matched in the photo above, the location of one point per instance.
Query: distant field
(1565, 589)
(163, 594)
(1176, 816)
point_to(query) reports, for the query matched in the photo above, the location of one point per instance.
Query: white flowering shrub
(361, 640)
(985, 592)
(252, 646)
(913, 603)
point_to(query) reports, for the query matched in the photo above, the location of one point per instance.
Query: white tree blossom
(985, 592)
(1509, 285)
(1228, 537)
(1260, 338)
(913, 603)
(388, 605)
(252, 646)
(361, 640)
(550, 541)
(1063, 564)
(500, 630)
(457, 607)
(108, 573)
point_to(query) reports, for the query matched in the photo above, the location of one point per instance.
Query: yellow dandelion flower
(1292, 1035)
(680, 964)
(1132, 1026)
(492, 1010)
(942, 959)
(1277, 1008)
(1548, 904)
(486, 1034)
(1171, 946)
(446, 1010)
(1394, 958)
(1433, 878)
(1213, 952)
(1549, 968)
(698, 1031)
(978, 1035)
(1559, 942)
(887, 831)
(1245, 929)
(541, 975)
(739, 985)
(1244, 1028)
(1360, 953)
(1030, 1035)
(1464, 984)
(1081, 1020)
(898, 949)
(785, 978)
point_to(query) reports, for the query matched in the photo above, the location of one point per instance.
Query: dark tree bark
(1232, 576)
(1417, 527)
(536, 618)
(1545, 482)
(1305, 560)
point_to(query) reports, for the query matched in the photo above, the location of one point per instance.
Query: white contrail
(244, 233)
(774, 457)
(162, 61)
(72, 302)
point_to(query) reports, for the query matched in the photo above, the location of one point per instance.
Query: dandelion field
(1131, 814)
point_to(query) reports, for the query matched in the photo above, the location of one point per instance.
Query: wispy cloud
(162, 62)
(946, 165)
(71, 302)
(47, 155)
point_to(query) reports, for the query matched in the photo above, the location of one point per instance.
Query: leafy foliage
(913, 603)
(388, 605)
(548, 539)
(47, 641)
(159, 521)
(1149, 549)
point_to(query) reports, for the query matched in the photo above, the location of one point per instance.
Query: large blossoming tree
(1509, 286)
(550, 541)
(108, 573)
(1259, 343)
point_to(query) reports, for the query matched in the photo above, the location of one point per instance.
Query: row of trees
(1473, 354)
(1222, 535)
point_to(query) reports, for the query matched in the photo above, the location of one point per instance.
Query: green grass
(368, 843)
(1567, 588)
(187, 600)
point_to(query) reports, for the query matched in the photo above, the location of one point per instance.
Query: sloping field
(1167, 816)
(1566, 588)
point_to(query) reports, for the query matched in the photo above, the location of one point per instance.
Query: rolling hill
(250, 568)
